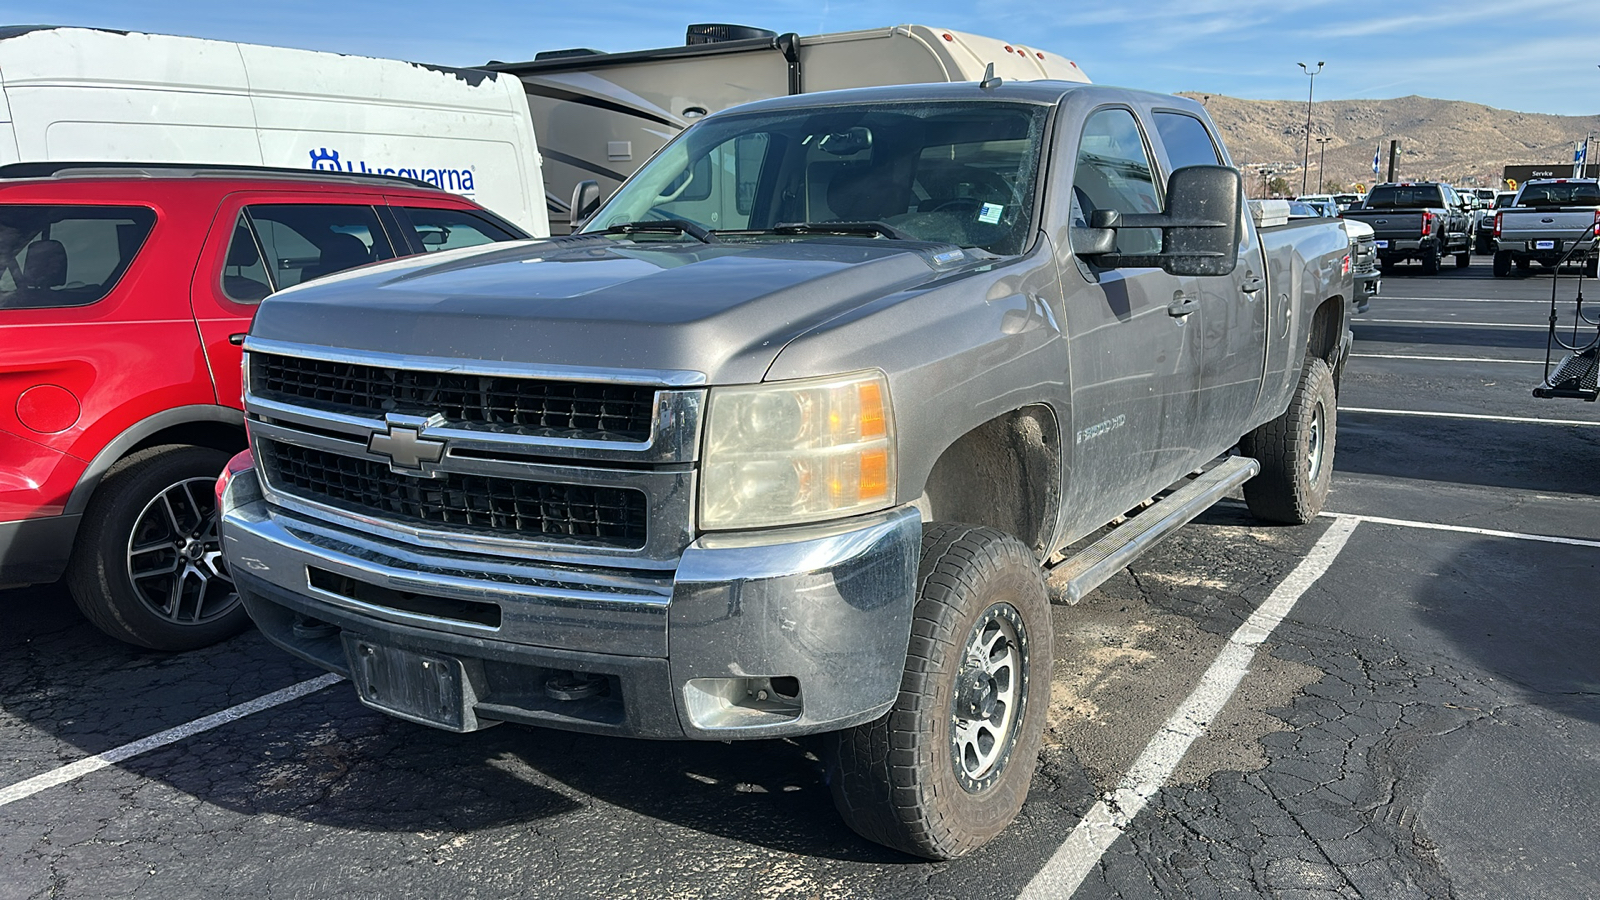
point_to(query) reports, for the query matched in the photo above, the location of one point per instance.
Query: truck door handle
(1182, 304)
(1251, 284)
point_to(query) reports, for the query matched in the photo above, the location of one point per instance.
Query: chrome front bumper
(756, 635)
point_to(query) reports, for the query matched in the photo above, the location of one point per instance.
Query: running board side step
(1090, 567)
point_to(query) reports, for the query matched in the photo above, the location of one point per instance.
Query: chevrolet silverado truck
(1551, 222)
(1421, 220)
(788, 438)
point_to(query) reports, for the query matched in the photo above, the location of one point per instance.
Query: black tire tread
(876, 769)
(90, 581)
(1282, 491)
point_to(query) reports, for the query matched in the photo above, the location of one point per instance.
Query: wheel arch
(217, 427)
(1005, 474)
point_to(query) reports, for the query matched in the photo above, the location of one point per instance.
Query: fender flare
(130, 438)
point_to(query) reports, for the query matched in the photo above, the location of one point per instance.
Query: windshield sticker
(989, 213)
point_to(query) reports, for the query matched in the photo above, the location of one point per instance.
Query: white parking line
(82, 767)
(1474, 416)
(1468, 300)
(1464, 529)
(1100, 828)
(1366, 321)
(1526, 362)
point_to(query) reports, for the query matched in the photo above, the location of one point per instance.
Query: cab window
(1187, 141)
(1114, 172)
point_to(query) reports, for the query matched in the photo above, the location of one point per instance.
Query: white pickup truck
(1552, 221)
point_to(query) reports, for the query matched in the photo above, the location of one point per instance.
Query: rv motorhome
(601, 115)
(80, 94)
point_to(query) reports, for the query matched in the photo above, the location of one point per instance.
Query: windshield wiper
(871, 229)
(664, 226)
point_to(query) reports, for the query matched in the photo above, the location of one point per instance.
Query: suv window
(304, 241)
(54, 256)
(244, 275)
(1114, 172)
(1187, 141)
(451, 229)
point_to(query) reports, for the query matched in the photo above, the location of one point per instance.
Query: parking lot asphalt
(1424, 722)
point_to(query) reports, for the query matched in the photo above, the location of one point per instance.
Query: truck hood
(722, 310)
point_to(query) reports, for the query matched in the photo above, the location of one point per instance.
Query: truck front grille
(550, 511)
(503, 404)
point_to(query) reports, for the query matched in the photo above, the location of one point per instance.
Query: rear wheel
(1464, 258)
(1502, 264)
(948, 767)
(1592, 267)
(1295, 451)
(147, 566)
(1430, 261)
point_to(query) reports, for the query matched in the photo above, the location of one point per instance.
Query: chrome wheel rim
(990, 695)
(1314, 444)
(174, 559)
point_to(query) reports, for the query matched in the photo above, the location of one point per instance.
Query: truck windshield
(1570, 193)
(960, 173)
(1404, 197)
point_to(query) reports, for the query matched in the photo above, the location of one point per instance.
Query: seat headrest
(342, 251)
(46, 265)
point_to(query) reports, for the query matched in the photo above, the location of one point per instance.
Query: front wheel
(948, 767)
(147, 566)
(1295, 451)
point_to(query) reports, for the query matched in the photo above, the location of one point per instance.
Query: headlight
(797, 451)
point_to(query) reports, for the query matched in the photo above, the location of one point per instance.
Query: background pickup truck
(786, 440)
(1550, 220)
(1422, 221)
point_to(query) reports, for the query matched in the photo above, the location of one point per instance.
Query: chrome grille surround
(657, 471)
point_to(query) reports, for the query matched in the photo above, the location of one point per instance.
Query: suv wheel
(948, 767)
(147, 567)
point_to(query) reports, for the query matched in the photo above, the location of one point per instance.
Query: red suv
(125, 291)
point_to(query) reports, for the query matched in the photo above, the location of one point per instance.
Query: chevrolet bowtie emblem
(403, 443)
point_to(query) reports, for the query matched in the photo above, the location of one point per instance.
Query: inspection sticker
(989, 213)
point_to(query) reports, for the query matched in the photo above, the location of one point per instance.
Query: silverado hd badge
(402, 442)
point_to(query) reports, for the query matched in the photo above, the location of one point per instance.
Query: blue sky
(1530, 56)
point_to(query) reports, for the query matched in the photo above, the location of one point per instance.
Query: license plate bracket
(427, 688)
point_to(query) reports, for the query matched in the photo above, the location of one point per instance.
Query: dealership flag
(1578, 156)
(1375, 154)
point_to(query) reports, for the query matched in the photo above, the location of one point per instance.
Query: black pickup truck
(1417, 220)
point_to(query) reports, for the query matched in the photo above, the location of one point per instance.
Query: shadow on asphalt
(1522, 456)
(1368, 332)
(1524, 613)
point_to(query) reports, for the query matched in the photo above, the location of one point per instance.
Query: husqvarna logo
(402, 441)
(459, 180)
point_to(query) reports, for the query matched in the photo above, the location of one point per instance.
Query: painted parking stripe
(1468, 300)
(1366, 321)
(1465, 529)
(1473, 359)
(1428, 414)
(1100, 828)
(82, 767)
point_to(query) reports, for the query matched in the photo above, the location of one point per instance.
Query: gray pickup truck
(787, 439)
(1424, 221)
(1550, 221)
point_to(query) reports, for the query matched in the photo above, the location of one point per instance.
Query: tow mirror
(1199, 229)
(585, 200)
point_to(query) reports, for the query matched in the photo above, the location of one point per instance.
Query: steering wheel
(977, 184)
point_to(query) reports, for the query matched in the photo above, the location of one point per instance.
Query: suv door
(1134, 357)
(1233, 308)
(259, 244)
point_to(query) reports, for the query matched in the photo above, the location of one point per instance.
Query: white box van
(601, 115)
(79, 94)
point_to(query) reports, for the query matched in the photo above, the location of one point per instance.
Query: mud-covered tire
(1502, 264)
(1430, 262)
(1295, 451)
(922, 778)
(154, 512)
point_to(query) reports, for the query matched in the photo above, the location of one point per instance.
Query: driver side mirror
(585, 200)
(1199, 229)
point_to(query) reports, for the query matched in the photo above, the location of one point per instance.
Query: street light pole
(1305, 163)
(1322, 162)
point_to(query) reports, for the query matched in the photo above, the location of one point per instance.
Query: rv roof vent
(564, 54)
(716, 34)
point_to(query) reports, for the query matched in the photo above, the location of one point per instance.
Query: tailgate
(1389, 225)
(1534, 224)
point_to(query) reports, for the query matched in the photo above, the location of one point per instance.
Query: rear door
(260, 243)
(1233, 308)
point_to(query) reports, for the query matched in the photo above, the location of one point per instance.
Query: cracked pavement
(1425, 723)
